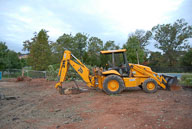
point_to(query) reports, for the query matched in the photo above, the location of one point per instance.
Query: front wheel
(113, 84)
(150, 85)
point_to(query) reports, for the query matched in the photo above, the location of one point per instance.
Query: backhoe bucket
(171, 81)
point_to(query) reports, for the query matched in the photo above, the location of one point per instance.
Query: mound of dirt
(176, 88)
(21, 78)
(68, 91)
(72, 90)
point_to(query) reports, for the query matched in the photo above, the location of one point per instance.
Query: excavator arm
(77, 65)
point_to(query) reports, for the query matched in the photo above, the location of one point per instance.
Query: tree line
(10, 59)
(171, 39)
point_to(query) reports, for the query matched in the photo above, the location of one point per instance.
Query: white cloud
(25, 9)
(107, 19)
(20, 17)
(128, 15)
(34, 20)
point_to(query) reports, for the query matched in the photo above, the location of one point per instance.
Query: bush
(186, 80)
(52, 72)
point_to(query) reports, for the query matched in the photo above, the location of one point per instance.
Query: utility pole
(137, 56)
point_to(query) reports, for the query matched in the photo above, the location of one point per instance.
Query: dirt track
(38, 105)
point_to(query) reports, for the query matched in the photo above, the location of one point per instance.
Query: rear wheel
(113, 84)
(150, 86)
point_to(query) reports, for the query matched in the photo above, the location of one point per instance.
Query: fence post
(0, 75)
(8, 73)
(45, 74)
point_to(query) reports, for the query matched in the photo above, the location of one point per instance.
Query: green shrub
(186, 80)
(52, 72)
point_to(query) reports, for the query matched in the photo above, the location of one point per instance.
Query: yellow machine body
(138, 74)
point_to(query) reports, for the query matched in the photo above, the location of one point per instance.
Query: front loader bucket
(171, 81)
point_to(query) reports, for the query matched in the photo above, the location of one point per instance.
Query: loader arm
(151, 74)
(78, 66)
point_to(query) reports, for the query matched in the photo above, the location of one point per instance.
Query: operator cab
(117, 60)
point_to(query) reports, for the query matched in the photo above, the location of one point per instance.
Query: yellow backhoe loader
(119, 75)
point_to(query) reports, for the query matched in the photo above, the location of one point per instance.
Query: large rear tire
(150, 86)
(113, 84)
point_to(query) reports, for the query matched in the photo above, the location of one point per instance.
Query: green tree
(172, 38)
(156, 59)
(40, 51)
(3, 55)
(95, 45)
(23, 62)
(13, 60)
(64, 42)
(8, 59)
(76, 44)
(110, 45)
(133, 47)
(143, 37)
(187, 58)
(79, 45)
(28, 43)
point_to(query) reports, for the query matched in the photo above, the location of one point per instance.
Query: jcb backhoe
(119, 75)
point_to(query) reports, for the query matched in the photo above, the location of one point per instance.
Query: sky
(106, 19)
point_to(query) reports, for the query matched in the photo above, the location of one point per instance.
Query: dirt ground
(37, 105)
